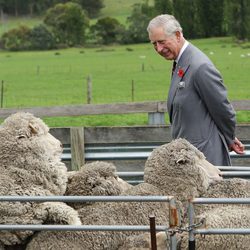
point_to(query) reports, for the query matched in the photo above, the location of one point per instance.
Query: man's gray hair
(167, 22)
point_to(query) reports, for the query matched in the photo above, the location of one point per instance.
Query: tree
(92, 7)
(163, 6)
(210, 16)
(138, 22)
(187, 15)
(68, 22)
(239, 18)
(108, 30)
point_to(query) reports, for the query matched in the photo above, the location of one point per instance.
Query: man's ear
(178, 35)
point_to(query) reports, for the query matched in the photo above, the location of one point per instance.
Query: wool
(30, 165)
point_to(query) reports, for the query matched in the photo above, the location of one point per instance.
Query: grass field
(59, 78)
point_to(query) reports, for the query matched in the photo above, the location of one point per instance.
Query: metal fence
(174, 220)
(173, 215)
(191, 217)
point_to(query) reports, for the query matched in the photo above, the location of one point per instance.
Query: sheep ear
(33, 129)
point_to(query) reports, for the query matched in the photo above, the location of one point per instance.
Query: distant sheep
(30, 165)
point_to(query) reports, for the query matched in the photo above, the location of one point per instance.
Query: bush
(108, 30)
(41, 38)
(17, 39)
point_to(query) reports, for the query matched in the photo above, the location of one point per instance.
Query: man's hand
(237, 147)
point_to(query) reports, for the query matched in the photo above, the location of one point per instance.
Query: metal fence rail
(194, 231)
(136, 177)
(173, 220)
(127, 152)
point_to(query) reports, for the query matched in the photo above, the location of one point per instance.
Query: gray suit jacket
(198, 107)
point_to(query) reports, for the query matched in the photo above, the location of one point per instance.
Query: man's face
(166, 46)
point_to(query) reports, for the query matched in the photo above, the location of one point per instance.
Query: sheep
(143, 242)
(221, 217)
(177, 168)
(96, 178)
(226, 188)
(83, 182)
(227, 217)
(109, 213)
(30, 165)
(180, 169)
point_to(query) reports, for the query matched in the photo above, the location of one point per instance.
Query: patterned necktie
(174, 66)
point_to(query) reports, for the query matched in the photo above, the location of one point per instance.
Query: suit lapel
(180, 71)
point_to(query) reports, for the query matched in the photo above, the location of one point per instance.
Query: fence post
(77, 147)
(152, 232)
(156, 118)
(2, 93)
(89, 90)
(132, 90)
(191, 240)
(174, 221)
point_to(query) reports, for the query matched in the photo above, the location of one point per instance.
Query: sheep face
(30, 134)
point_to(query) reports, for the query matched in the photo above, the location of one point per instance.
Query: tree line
(66, 23)
(38, 7)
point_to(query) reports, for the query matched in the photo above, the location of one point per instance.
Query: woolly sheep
(30, 165)
(108, 213)
(96, 178)
(176, 168)
(227, 217)
(143, 242)
(83, 183)
(221, 217)
(180, 169)
(226, 188)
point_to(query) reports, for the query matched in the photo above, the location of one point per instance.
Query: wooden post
(2, 94)
(89, 90)
(142, 67)
(77, 147)
(132, 90)
(153, 232)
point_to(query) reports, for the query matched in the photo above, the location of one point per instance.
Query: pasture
(60, 78)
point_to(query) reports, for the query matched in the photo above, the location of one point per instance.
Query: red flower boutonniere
(180, 73)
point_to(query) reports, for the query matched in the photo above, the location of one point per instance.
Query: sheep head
(96, 178)
(179, 169)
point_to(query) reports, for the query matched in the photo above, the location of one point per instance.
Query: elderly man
(198, 107)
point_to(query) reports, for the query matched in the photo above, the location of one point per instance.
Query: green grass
(59, 78)
(120, 9)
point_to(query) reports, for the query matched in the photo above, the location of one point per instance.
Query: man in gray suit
(198, 107)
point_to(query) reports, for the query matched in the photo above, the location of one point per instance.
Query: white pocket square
(181, 84)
